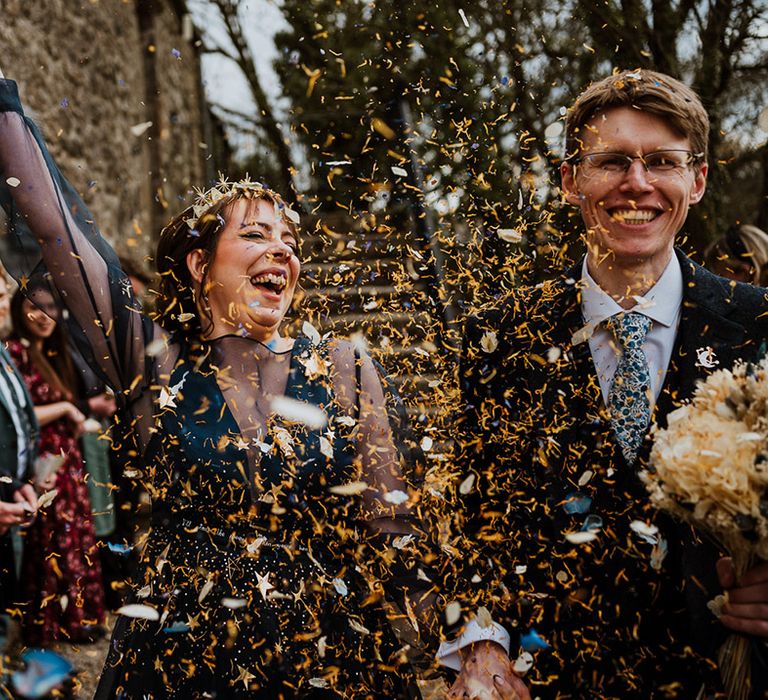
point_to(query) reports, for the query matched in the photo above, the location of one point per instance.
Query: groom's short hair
(648, 91)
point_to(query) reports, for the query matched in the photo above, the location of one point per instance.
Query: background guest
(63, 597)
(741, 255)
(18, 433)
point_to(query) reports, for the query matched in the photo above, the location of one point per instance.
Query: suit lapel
(707, 339)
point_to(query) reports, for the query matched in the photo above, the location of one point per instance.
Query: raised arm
(60, 243)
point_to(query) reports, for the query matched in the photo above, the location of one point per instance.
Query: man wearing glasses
(561, 385)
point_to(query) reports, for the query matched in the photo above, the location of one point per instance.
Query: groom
(561, 384)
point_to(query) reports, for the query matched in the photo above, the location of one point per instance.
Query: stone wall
(89, 72)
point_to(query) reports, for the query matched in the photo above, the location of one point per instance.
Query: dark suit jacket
(536, 437)
(9, 481)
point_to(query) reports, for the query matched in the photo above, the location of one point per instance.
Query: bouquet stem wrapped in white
(709, 467)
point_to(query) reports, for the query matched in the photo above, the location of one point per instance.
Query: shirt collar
(661, 303)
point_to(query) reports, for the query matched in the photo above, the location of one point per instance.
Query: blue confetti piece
(44, 671)
(176, 53)
(122, 549)
(64, 103)
(176, 628)
(505, 81)
(532, 641)
(592, 523)
(576, 503)
(194, 233)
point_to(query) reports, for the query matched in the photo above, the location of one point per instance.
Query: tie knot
(630, 329)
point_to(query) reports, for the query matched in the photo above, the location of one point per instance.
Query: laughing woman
(280, 515)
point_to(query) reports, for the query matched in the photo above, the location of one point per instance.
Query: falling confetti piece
(532, 641)
(45, 670)
(156, 347)
(554, 130)
(46, 498)
(509, 235)
(302, 412)
(13, 182)
(762, 120)
(452, 612)
(139, 129)
(318, 682)
(576, 503)
(400, 172)
(292, 216)
(489, 341)
(466, 486)
(463, 18)
(311, 332)
(581, 537)
(427, 443)
(351, 489)
(139, 611)
(523, 663)
(396, 497)
(355, 625)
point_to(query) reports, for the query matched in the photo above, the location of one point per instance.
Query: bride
(281, 516)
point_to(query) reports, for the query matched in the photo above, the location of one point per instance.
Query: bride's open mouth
(272, 283)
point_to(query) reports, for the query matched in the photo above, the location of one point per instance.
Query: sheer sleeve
(54, 239)
(399, 546)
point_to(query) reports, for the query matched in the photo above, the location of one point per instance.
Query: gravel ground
(88, 661)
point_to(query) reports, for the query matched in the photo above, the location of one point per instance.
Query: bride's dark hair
(198, 228)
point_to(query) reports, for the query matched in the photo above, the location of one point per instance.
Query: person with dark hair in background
(740, 255)
(63, 598)
(18, 437)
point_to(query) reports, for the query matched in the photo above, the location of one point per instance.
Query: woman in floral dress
(63, 594)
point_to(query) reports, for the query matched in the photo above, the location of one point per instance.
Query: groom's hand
(747, 609)
(486, 673)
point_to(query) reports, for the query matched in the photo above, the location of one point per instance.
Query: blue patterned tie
(629, 399)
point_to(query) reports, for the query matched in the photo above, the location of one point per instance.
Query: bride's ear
(197, 263)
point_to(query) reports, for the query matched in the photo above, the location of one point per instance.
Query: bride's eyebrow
(250, 224)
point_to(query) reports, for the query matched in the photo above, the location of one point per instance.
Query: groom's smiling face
(635, 215)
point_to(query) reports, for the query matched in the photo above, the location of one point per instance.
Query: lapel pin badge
(705, 357)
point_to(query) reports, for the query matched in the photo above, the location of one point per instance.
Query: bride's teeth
(277, 280)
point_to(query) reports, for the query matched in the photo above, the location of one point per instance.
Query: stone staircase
(369, 279)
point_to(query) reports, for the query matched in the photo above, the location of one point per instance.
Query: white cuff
(448, 653)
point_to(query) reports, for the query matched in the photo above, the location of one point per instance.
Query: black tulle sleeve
(53, 239)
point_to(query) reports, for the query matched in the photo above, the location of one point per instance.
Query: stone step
(366, 299)
(330, 248)
(362, 272)
(396, 326)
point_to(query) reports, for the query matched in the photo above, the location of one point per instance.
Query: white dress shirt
(662, 304)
